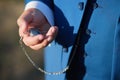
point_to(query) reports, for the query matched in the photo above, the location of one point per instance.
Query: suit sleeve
(45, 6)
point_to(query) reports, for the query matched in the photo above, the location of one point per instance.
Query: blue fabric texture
(99, 58)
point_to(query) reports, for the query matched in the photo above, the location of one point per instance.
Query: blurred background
(13, 63)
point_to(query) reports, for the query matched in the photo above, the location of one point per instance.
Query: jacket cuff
(43, 8)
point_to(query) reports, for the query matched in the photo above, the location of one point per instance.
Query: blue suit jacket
(99, 56)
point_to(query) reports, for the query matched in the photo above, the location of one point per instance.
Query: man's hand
(33, 18)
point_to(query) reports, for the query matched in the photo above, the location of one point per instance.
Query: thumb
(23, 22)
(22, 27)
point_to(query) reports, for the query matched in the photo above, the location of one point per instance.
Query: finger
(30, 41)
(51, 34)
(23, 32)
(40, 46)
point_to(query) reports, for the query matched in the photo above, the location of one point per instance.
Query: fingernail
(53, 29)
(49, 38)
(41, 37)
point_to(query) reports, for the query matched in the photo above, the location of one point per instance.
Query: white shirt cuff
(43, 8)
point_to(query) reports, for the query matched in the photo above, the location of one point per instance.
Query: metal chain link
(36, 66)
